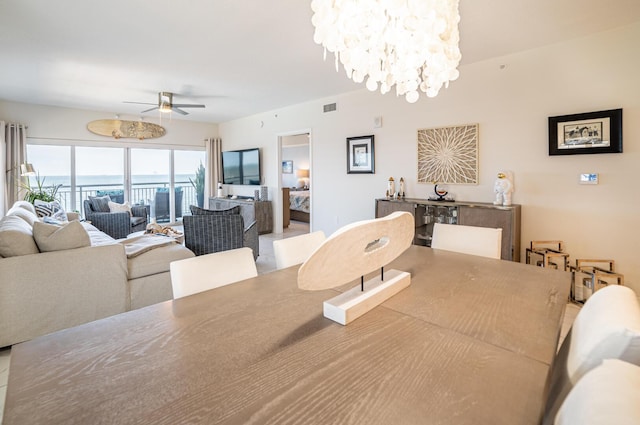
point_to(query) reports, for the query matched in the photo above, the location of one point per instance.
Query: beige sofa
(67, 285)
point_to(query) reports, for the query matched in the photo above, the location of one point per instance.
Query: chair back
(197, 274)
(297, 249)
(607, 327)
(482, 241)
(205, 234)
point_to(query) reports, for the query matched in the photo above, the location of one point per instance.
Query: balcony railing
(141, 194)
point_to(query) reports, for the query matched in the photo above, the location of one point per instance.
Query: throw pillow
(201, 211)
(16, 237)
(50, 237)
(51, 209)
(100, 203)
(115, 207)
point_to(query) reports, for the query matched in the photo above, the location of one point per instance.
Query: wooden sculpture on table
(352, 252)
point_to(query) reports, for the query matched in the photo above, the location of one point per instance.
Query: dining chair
(605, 395)
(607, 327)
(197, 274)
(482, 241)
(297, 249)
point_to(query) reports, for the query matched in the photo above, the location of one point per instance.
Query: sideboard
(480, 214)
(260, 211)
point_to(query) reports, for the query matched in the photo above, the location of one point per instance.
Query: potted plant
(41, 192)
(198, 185)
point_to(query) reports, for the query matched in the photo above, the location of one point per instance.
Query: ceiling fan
(165, 104)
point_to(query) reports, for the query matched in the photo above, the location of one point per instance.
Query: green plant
(41, 192)
(198, 184)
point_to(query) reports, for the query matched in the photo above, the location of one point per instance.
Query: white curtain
(13, 143)
(213, 168)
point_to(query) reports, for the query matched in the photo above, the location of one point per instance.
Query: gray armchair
(207, 231)
(115, 224)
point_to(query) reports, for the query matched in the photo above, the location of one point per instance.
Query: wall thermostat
(589, 178)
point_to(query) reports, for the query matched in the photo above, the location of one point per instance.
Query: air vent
(329, 107)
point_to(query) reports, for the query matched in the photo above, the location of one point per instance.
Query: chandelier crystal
(412, 44)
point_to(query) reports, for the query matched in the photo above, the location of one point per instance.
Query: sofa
(54, 277)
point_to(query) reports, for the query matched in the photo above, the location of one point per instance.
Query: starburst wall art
(448, 155)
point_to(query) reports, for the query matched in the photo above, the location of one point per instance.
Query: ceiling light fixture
(412, 44)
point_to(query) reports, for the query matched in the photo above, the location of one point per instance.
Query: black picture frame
(586, 133)
(360, 155)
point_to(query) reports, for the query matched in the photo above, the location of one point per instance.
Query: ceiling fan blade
(149, 110)
(180, 111)
(139, 103)
(187, 105)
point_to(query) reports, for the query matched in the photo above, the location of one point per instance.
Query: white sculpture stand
(348, 306)
(352, 252)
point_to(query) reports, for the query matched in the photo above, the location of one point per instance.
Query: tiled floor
(265, 264)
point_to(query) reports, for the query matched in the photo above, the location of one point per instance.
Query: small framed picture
(360, 155)
(287, 167)
(591, 132)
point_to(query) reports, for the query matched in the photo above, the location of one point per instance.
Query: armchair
(116, 224)
(208, 231)
(162, 203)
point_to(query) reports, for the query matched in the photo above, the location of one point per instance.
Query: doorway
(295, 180)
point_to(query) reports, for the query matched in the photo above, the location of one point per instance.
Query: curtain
(213, 168)
(13, 142)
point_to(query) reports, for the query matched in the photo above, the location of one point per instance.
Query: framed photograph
(591, 132)
(360, 155)
(287, 167)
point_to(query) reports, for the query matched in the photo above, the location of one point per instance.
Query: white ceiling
(238, 57)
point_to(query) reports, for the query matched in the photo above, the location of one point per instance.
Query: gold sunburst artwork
(448, 155)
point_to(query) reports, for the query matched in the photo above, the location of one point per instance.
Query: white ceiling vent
(330, 107)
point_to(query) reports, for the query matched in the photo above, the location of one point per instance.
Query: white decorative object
(503, 188)
(352, 252)
(391, 188)
(410, 44)
(220, 191)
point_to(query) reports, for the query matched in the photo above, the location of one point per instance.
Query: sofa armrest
(49, 291)
(251, 238)
(139, 211)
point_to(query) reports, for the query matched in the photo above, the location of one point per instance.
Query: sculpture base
(348, 306)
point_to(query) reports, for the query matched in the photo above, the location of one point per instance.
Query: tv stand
(260, 211)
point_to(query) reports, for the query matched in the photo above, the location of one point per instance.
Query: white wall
(511, 106)
(300, 157)
(52, 124)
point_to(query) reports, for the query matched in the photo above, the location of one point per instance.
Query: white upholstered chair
(607, 327)
(204, 272)
(482, 241)
(297, 249)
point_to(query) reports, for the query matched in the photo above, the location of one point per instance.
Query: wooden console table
(467, 213)
(260, 211)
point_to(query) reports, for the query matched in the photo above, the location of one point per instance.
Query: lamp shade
(301, 172)
(26, 169)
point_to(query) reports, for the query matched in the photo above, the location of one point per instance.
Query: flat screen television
(241, 167)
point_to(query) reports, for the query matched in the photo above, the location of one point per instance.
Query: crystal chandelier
(412, 44)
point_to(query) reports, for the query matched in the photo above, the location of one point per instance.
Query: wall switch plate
(589, 178)
(377, 122)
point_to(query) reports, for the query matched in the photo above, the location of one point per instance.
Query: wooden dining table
(470, 341)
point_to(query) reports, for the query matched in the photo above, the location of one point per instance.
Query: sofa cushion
(50, 237)
(24, 205)
(16, 237)
(156, 260)
(24, 214)
(201, 211)
(51, 209)
(116, 207)
(96, 236)
(100, 203)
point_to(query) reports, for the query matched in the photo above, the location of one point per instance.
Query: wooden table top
(469, 342)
